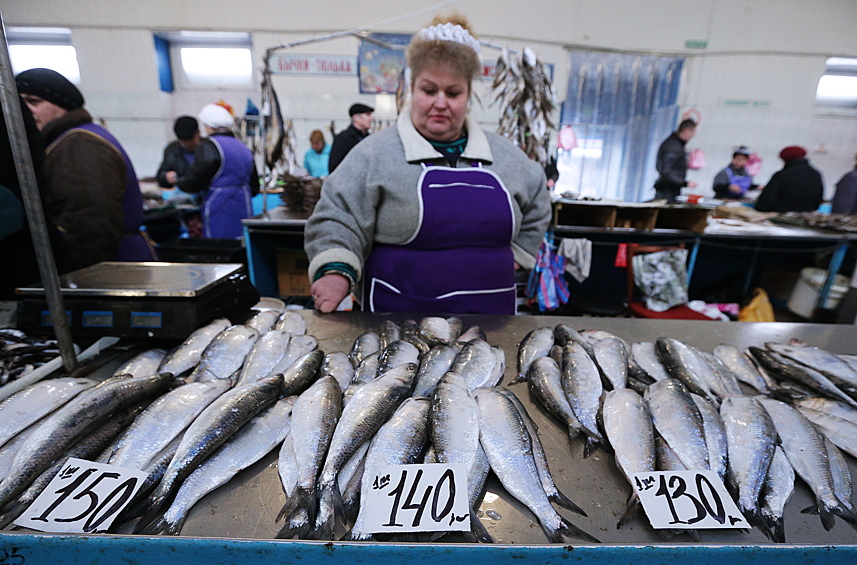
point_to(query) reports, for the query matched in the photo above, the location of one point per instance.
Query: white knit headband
(450, 32)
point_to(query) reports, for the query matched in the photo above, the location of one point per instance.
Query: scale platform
(146, 300)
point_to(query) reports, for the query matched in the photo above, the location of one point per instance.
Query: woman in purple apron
(734, 181)
(430, 216)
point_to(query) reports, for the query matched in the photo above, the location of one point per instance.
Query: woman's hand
(329, 291)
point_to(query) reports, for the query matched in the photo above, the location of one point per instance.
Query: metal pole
(33, 203)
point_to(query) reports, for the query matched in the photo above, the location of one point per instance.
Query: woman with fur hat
(432, 215)
(223, 171)
(797, 187)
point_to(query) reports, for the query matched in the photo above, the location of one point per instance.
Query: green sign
(696, 43)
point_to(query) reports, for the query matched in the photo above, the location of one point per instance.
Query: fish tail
(848, 515)
(11, 513)
(161, 526)
(827, 519)
(519, 379)
(351, 535)
(302, 501)
(562, 500)
(478, 533)
(149, 512)
(592, 444)
(774, 529)
(755, 519)
(810, 510)
(330, 511)
(569, 529)
(631, 510)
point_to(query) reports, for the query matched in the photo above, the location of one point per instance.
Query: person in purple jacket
(224, 172)
(91, 191)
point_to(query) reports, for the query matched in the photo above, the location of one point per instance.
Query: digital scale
(145, 300)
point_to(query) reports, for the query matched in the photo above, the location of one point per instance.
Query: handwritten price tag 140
(416, 498)
(84, 497)
(691, 500)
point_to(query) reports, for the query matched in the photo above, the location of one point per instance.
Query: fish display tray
(239, 519)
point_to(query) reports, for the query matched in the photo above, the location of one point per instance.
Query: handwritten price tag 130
(84, 497)
(691, 500)
(416, 498)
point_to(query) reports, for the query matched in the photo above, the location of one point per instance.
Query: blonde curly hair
(423, 53)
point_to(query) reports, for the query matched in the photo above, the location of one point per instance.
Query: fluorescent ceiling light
(61, 58)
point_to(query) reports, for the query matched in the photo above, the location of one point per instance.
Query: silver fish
(828, 406)
(287, 467)
(366, 344)
(299, 345)
(535, 344)
(367, 370)
(726, 383)
(291, 322)
(249, 444)
(751, 438)
(264, 357)
(433, 366)
(612, 358)
(455, 327)
(367, 411)
(314, 419)
(71, 422)
(214, 425)
(30, 405)
(473, 332)
(146, 363)
(828, 364)
(778, 489)
(400, 441)
(795, 372)
(389, 332)
(508, 446)
(163, 420)
(11, 447)
(841, 475)
(302, 373)
(843, 433)
(434, 331)
(351, 467)
(743, 367)
(477, 362)
(645, 355)
(667, 460)
(454, 422)
(338, 366)
(563, 335)
(187, 355)
(581, 382)
(715, 435)
(263, 321)
(679, 423)
(629, 429)
(397, 353)
(804, 446)
(684, 363)
(225, 354)
(545, 382)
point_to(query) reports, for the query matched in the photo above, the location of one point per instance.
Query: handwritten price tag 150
(416, 498)
(84, 497)
(687, 500)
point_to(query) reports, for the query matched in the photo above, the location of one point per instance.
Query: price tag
(416, 498)
(84, 497)
(687, 500)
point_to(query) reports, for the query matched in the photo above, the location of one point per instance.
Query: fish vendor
(435, 214)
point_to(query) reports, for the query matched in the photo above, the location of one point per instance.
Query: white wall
(769, 51)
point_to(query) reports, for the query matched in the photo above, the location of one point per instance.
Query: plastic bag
(759, 308)
(696, 159)
(662, 278)
(546, 286)
(754, 164)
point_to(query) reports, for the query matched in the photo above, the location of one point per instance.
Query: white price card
(416, 498)
(687, 500)
(84, 497)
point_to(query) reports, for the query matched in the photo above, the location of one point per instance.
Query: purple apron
(742, 181)
(133, 245)
(459, 260)
(228, 199)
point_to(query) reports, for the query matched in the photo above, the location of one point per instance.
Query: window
(205, 59)
(838, 87)
(51, 48)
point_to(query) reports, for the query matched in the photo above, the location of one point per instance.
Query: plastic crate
(196, 250)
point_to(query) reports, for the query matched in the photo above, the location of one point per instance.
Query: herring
(187, 355)
(535, 344)
(679, 423)
(146, 363)
(225, 354)
(778, 489)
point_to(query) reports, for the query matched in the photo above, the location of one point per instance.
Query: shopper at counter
(672, 163)
(797, 187)
(317, 157)
(357, 131)
(845, 198)
(733, 182)
(91, 190)
(178, 155)
(224, 172)
(433, 214)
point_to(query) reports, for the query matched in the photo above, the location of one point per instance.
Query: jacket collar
(71, 119)
(418, 148)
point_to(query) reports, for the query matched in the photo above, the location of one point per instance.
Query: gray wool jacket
(372, 196)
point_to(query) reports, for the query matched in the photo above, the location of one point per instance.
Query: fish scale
(678, 421)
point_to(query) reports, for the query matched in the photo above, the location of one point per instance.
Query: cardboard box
(292, 277)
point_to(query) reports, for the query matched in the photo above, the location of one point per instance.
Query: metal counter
(245, 508)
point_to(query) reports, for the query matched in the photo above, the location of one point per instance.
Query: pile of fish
(755, 417)
(190, 419)
(527, 99)
(420, 392)
(21, 354)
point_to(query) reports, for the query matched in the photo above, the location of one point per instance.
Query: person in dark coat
(178, 155)
(91, 190)
(672, 163)
(224, 172)
(845, 198)
(797, 187)
(361, 121)
(734, 181)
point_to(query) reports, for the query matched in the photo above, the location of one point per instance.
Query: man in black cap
(178, 155)
(361, 121)
(91, 190)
